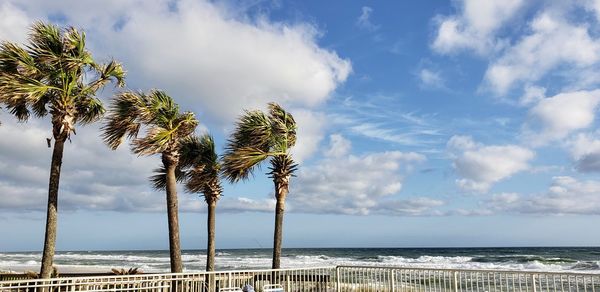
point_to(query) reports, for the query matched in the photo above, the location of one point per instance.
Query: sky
(420, 123)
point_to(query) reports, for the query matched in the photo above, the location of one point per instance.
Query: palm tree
(166, 131)
(54, 75)
(203, 177)
(199, 168)
(259, 136)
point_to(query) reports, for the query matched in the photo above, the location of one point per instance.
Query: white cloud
(211, 60)
(357, 185)
(556, 117)
(532, 94)
(475, 26)
(310, 132)
(585, 150)
(13, 23)
(431, 79)
(566, 195)
(594, 6)
(338, 146)
(553, 42)
(242, 204)
(480, 166)
(364, 20)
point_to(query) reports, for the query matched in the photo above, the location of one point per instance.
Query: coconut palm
(54, 75)
(166, 131)
(259, 136)
(199, 168)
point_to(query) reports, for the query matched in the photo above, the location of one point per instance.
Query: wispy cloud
(364, 20)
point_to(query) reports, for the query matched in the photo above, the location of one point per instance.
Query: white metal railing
(357, 278)
(301, 279)
(341, 278)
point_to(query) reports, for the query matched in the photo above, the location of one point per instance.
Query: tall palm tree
(199, 168)
(259, 136)
(54, 75)
(166, 131)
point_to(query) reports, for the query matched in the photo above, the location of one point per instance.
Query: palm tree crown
(54, 74)
(257, 137)
(166, 127)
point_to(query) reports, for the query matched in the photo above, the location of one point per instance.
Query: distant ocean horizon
(561, 259)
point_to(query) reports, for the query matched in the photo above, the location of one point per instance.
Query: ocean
(581, 259)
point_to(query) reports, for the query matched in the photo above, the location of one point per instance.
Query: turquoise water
(530, 258)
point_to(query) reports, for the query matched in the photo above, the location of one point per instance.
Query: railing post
(533, 282)
(229, 279)
(455, 281)
(393, 279)
(287, 281)
(337, 279)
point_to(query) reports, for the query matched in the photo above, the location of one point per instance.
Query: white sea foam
(159, 261)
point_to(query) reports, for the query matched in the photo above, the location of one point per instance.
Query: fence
(353, 278)
(325, 279)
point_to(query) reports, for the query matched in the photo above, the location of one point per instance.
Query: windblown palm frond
(157, 112)
(257, 137)
(205, 168)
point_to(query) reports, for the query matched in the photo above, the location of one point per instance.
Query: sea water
(582, 259)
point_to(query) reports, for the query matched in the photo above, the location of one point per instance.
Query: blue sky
(421, 123)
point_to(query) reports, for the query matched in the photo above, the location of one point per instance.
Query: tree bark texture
(173, 217)
(52, 211)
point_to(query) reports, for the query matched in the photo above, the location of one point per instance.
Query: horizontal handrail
(529, 272)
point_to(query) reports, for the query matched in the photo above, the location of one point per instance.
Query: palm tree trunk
(281, 191)
(173, 216)
(210, 246)
(52, 211)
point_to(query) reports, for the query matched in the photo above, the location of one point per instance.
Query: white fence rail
(341, 279)
(353, 278)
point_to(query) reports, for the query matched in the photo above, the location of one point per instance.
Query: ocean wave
(159, 261)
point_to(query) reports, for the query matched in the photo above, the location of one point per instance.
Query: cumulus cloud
(481, 166)
(212, 60)
(553, 42)
(566, 195)
(311, 130)
(13, 23)
(532, 94)
(585, 150)
(338, 146)
(558, 116)
(357, 184)
(364, 20)
(474, 26)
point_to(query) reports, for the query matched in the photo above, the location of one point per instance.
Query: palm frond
(284, 127)
(157, 112)
(127, 112)
(282, 166)
(89, 110)
(198, 154)
(239, 163)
